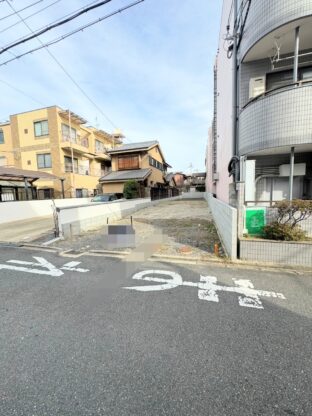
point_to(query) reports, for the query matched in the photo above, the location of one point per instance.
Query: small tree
(289, 215)
(131, 189)
(293, 212)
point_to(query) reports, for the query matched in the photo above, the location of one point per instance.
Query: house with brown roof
(143, 162)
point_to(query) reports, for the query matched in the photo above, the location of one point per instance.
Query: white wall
(25, 210)
(225, 218)
(76, 220)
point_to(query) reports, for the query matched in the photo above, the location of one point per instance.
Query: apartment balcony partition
(276, 119)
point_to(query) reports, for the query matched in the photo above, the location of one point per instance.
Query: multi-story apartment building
(57, 141)
(260, 146)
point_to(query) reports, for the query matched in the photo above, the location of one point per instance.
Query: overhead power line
(65, 71)
(21, 92)
(54, 21)
(52, 26)
(20, 10)
(30, 15)
(67, 35)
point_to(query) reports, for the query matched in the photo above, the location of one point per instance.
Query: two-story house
(57, 141)
(143, 162)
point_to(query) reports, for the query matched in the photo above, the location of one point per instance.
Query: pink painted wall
(224, 110)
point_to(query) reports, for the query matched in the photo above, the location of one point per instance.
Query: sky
(149, 70)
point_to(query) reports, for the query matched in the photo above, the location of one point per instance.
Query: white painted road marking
(46, 267)
(208, 287)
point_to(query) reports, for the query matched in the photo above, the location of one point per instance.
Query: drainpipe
(234, 124)
(296, 56)
(291, 173)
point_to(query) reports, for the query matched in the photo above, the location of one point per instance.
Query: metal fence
(162, 193)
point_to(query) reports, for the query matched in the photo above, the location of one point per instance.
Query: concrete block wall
(225, 218)
(75, 220)
(25, 210)
(278, 252)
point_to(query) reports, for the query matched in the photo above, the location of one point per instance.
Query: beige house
(58, 142)
(143, 162)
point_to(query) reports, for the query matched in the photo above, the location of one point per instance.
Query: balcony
(79, 145)
(83, 170)
(278, 118)
(272, 17)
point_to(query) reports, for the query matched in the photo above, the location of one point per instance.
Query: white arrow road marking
(208, 287)
(48, 268)
(71, 266)
(42, 267)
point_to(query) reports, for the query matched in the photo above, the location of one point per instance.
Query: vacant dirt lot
(185, 226)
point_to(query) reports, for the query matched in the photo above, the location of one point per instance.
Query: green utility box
(255, 220)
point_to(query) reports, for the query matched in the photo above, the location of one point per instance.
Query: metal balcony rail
(84, 170)
(81, 141)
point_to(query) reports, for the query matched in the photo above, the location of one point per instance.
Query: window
(44, 161)
(1, 137)
(128, 162)
(65, 133)
(41, 128)
(155, 163)
(99, 147)
(69, 166)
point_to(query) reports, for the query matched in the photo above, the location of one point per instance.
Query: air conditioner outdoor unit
(299, 169)
(256, 86)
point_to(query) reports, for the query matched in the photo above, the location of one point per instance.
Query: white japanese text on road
(42, 266)
(208, 288)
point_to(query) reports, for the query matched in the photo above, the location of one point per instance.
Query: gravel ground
(186, 227)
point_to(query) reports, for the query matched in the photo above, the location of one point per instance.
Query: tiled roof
(124, 175)
(134, 146)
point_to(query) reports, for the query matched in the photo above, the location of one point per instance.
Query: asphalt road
(78, 343)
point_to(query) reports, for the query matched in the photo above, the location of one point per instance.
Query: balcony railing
(277, 90)
(81, 141)
(82, 170)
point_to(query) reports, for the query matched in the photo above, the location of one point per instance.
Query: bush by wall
(131, 189)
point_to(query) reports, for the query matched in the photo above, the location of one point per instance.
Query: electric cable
(52, 26)
(79, 29)
(20, 10)
(29, 16)
(66, 72)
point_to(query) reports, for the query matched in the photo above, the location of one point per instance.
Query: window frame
(1, 136)
(69, 136)
(39, 122)
(69, 160)
(44, 155)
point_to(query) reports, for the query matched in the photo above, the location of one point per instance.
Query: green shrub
(293, 212)
(200, 188)
(131, 189)
(283, 232)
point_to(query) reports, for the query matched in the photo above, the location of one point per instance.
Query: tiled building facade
(272, 139)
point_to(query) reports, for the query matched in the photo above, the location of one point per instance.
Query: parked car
(105, 198)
